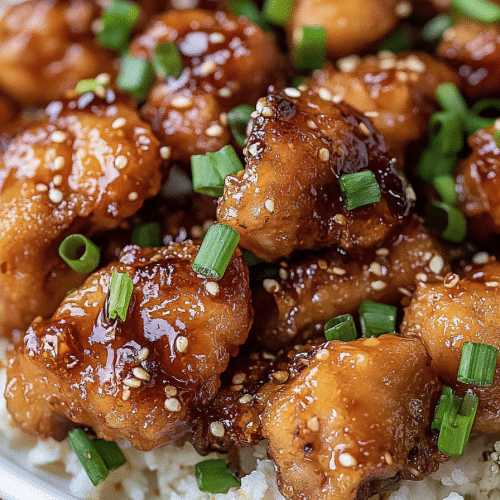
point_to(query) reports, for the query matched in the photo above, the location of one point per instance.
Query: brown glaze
(141, 379)
(8, 112)
(288, 197)
(358, 413)
(473, 49)
(223, 68)
(47, 46)
(396, 91)
(307, 294)
(444, 315)
(76, 171)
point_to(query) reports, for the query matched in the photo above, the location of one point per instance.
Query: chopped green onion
(341, 328)
(490, 105)
(446, 127)
(278, 11)
(397, 42)
(446, 220)
(90, 85)
(376, 319)
(475, 120)
(433, 30)
(310, 51)
(433, 163)
(118, 21)
(456, 425)
(167, 60)
(496, 138)
(251, 259)
(110, 452)
(136, 76)
(248, 9)
(450, 99)
(120, 293)
(92, 462)
(445, 403)
(226, 161)
(477, 364)
(147, 234)
(80, 253)
(445, 186)
(484, 11)
(473, 123)
(359, 189)
(216, 251)
(213, 476)
(237, 120)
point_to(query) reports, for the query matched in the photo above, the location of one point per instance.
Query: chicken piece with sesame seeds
(223, 67)
(308, 293)
(289, 197)
(396, 91)
(89, 164)
(354, 420)
(446, 313)
(145, 377)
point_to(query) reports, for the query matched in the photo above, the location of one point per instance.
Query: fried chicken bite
(288, 197)
(354, 419)
(223, 68)
(396, 91)
(308, 293)
(8, 112)
(143, 378)
(90, 164)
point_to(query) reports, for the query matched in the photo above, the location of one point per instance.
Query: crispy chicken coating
(223, 68)
(395, 90)
(354, 418)
(288, 197)
(307, 294)
(47, 46)
(444, 315)
(473, 49)
(140, 379)
(90, 164)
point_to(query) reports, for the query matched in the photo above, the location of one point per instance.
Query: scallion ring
(118, 21)
(310, 51)
(359, 189)
(237, 120)
(213, 476)
(147, 234)
(477, 364)
(80, 253)
(340, 328)
(167, 60)
(136, 76)
(120, 293)
(376, 318)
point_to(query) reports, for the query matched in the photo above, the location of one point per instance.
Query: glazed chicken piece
(8, 112)
(352, 26)
(223, 67)
(143, 378)
(473, 49)
(355, 419)
(90, 164)
(478, 185)
(445, 314)
(308, 293)
(395, 90)
(288, 197)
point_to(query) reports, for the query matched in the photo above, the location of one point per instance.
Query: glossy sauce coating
(357, 415)
(87, 166)
(222, 68)
(396, 91)
(288, 197)
(143, 378)
(47, 46)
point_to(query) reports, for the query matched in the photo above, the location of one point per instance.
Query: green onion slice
(433, 30)
(484, 11)
(91, 460)
(496, 138)
(310, 52)
(446, 127)
(397, 42)
(136, 76)
(376, 318)
(450, 99)
(119, 295)
(341, 328)
(216, 251)
(90, 85)
(446, 401)
(251, 259)
(213, 476)
(118, 21)
(359, 189)
(237, 120)
(110, 452)
(278, 11)
(445, 186)
(80, 253)
(433, 163)
(147, 234)
(477, 364)
(446, 220)
(167, 60)
(248, 9)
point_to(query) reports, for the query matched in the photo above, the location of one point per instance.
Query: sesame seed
(280, 376)
(119, 122)
(313, 424)
(378, 285)
(324, 94)
(253, 149)
(245, 399)
(141, 374)
(387, 63)
(132, 382)
(382, 251)
(172, 404)
(271, 286)
(59, 136)
(165, 152)
(254, 114)
(55, 195)
(269, 204)
(375, 268)
(311, 124)
(212, 288)
(402, 76)
(410, 193)
(450, 280)
(283, 273)
(415, 64)
(181, 102)
(170, 391)
(239, 378)
(340, 219)
(132, 196)
(338, 271)
(436, 264)
(225, 92)
(216, 38)
(292, 92)
(208, 67)
(57, 179)
(121, 162)
(142, 354)
(348, 63)
(324, 154)
(181, 343)
(403, 9)
(404, 291)
(126, 394)
(371, 114)
(214, 130)
(217, 429)
(322, 264)
(421, 277)
(260, 104)
(223, 118)
(492, 283)
(103, 79)
(481, 258)
(388, 458)
(347, 460)
(364, 129)
(267, 111)
(59, 162)
(41, 188)
(322, 354)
